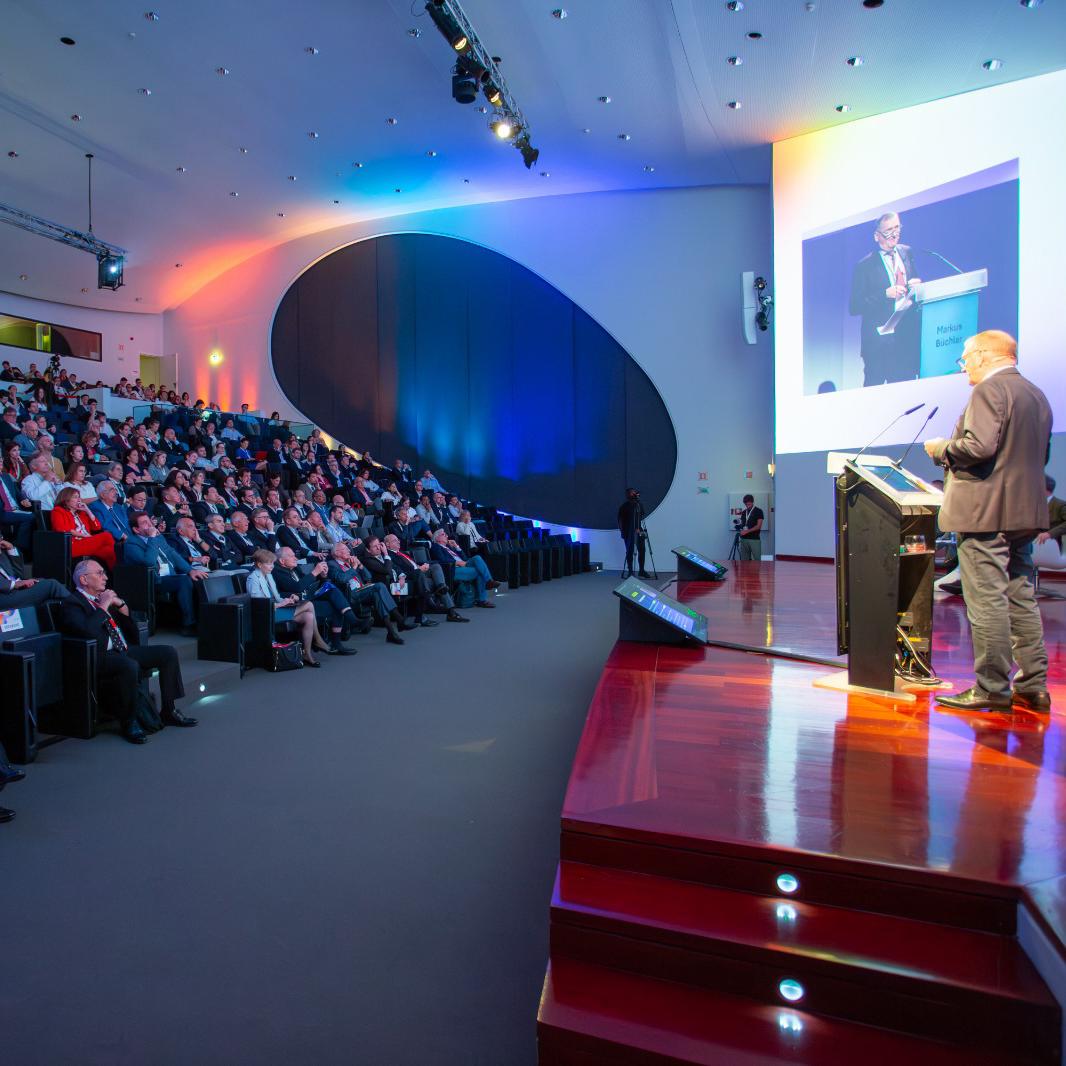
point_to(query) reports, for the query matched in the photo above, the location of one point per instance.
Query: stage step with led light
(599, 1016)
(927, 980)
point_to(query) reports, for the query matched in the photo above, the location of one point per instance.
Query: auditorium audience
(328, 600)
(146, 547)
(71, 515)
(261, 585)
(471, 570)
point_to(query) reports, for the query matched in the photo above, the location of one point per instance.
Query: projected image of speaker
(650, 616)
(692, 566)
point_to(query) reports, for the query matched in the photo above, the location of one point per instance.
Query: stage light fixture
(464, 87)
(493, 95)
(501, 126)
(529, 154)
(448, 26)
(109, 271)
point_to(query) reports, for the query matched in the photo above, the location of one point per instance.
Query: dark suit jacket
(868, 284)
(995, 459)
(162, 510)
(79, 618)
(1056, 517)
(263, 540)
(239, 548)
(184, 551)
(112, 520)
(292, 582)
(303, 544)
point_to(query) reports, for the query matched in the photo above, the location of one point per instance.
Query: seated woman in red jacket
(70, 515)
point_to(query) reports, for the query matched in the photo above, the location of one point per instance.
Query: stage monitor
(650, 615)
(692, 566)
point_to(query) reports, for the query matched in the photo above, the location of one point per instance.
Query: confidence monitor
(691, 566)
(648, 615)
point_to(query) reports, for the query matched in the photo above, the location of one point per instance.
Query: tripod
(734, 552)
(638, 537)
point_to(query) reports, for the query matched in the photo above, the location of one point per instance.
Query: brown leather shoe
(1035, 700)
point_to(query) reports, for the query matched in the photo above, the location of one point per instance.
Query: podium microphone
(929, 251)
(899, 462)
(909, 411)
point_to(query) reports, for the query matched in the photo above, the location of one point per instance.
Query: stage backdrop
(455, 357)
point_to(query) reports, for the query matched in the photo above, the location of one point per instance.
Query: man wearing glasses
(995, 503)
(881, 283)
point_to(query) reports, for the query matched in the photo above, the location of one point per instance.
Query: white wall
(125, 336)
(658, 270)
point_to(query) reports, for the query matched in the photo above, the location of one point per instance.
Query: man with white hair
(41, 485)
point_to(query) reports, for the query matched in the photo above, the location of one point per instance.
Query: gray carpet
(348, 865)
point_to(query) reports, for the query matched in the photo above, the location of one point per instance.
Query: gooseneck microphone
(929, 251)
(899, 462)
(909, 411)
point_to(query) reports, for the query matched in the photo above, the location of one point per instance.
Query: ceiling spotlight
(735, 61)
(992, 64)
(431, 153)
(560, 13)
(66, 40)
(313, 135)
(482, 110)
(501, 126)
(735, 5)
(234, 194)
(871, 4)
(604, 99)
(843, 108)
(221, 70)
(392, 121)
(336, 201)
(358, 166)
(292, 177)
(399, 190)
(446, 22)
(84, 290)
(151, 16)
(145, 92)
(24, 277)
(1030, 3)
(623, 137)
(414, 32)
(855, 61)
(137, 299)
(243, 151)
(177, 266)
(545, 174)
(586, 130)
(311, 50)
(734, 104)
(466, 80)
(13, 155)
(281, 214)
(109, 270)
(755, 35)
(75, 118)
(529, 154)
(180, 170)
(649, 169)
(493, 95)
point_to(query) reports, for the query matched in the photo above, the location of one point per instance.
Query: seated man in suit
(1056, 510)
(360, 495)
(238, 537)
(16, 518)
(173, 506)
(261, 532)
(110, 513)
(224, 554)
(17, 591)
(324, 595)
(296, 533)
(346, 573)
(407, 526)
(275, 508)
(94, 612)
(430, 575)
(472, 569)
(186, 541)
(210, 505)
(148, 548)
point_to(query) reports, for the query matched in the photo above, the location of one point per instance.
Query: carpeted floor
(349, 865)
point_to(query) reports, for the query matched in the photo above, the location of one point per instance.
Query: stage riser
(939, 1012)
(841, 883)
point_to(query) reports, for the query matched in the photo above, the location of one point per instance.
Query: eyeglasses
(889, 233)
(961, 361)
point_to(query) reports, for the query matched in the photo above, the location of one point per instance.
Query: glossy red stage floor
(704, 774)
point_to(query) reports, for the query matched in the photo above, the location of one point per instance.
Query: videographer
(631, 526)
(748, 528)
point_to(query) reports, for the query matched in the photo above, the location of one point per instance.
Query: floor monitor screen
(714, 570)
(684, 619)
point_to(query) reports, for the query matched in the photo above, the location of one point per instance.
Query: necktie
(117, 640)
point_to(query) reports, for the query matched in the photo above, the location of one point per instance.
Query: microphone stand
(928, 418)
(642, 531)
(929, 251)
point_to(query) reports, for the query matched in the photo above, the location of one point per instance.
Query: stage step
(593, 1015)
(825, 880)
(939, 981)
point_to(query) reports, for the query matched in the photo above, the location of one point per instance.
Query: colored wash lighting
(791, 990)
(786, 912)
(787, 883)
(789, 1022)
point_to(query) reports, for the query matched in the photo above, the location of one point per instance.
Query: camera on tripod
(737, 524)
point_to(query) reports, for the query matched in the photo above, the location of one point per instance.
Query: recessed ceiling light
(221, 70)
(734, 104)
(586, 130)
(336, 201)
(604, 99)
(281, 214)
(66, 40)
(137, 299)
(145, 92)
(735, 61)
(755, 35)
(992, 64)
(545, 174)
(1030, 3)
(311, 50)
(624, 137)
(466, 181)
(75, 118)
(399, 190)
(392, 121)
(842, 108)
(180, 170)
(414, 32)
(482, 110)
(13, 155)
(431, 152)
(234, 194)
(177, 266)
(358, 166)
(855, 61)
(649, 169)
(243, 151)
(151, 16)
(871, 4)
(735, 5)
(560, 13)
(24, 277)
(84, 290)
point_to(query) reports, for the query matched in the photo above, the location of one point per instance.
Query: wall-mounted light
(215, 358)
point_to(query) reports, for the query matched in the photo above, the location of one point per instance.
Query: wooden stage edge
(729, 827)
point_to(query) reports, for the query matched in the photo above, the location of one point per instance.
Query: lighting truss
(73, 238)
(445, 11)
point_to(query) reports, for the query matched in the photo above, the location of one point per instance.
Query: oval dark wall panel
(455, 357)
